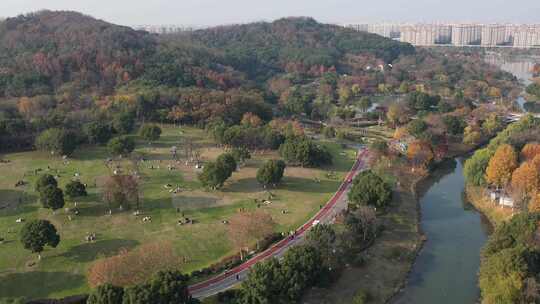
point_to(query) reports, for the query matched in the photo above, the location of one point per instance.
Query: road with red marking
(336, 204)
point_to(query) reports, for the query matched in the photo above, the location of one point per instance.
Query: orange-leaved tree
(251, 120)
(244, 227)
(420, 153)
(501, 165)
(133, 267)
(526, 177)
(525, 180)
(534, 203)
(530, 151)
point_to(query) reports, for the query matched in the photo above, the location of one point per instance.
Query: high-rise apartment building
(460, 34)
(524, 36)
(389, 30)
(493, 35)
(426, 34)
(164, 29)
(466, 34)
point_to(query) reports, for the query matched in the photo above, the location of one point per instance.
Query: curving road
(327, 214)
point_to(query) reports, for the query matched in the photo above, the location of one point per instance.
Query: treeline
(511, 262)
(47, 51)
(164, 287)
(509, 166)
(63, 70)
(318, 262)
(23, 120)
(517, 134)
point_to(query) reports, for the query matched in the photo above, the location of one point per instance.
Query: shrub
(57, 141)
(121, 145)
(150, 132)
(361, 297)
(75, 189)
(329, 132)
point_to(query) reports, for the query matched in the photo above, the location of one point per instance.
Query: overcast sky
(213, 12)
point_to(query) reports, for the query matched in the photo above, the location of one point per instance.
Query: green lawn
(62, 270)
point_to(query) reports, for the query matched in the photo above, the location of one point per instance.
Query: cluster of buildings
(458, 34)
(165, 29)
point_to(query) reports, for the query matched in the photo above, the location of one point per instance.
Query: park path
(327, 214)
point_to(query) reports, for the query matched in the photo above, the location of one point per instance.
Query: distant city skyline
(457, 34)
(215, 12)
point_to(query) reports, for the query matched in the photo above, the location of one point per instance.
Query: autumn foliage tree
(133, 267)
(534, 203)
(251, 120)
(526, 179)
(530, 151)
(501, 165)
(420, 153)
(244, 227)
(397, 115)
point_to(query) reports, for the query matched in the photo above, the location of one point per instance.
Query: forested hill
(42, 51)
(49, 52)
(295, 44)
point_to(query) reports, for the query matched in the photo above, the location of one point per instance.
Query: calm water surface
(446, 268)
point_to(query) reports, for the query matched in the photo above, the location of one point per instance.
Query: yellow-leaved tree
(420, 153)
(501, 166)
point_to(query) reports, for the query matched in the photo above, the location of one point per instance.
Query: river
(445, 270)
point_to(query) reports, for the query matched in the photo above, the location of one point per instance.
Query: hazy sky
(212, 12)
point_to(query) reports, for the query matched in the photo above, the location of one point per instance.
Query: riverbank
(389, 260)
(495, 214)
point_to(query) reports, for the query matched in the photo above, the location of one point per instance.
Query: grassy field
(62, 270)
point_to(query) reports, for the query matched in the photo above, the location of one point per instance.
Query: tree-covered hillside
(45, 51)
(65, 70)
(292, 44)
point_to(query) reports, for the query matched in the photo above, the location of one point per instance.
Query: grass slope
(62, 270)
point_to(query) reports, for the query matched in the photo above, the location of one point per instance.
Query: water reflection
(520, 66)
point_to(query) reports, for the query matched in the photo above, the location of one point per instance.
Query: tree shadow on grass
(309, 185)
(244, 185)
(250, 185)
(185, 202)
(91, 251)
(91, 153)
(14, 202)
(38, 284)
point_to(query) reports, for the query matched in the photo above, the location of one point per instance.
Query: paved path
(327, 214)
